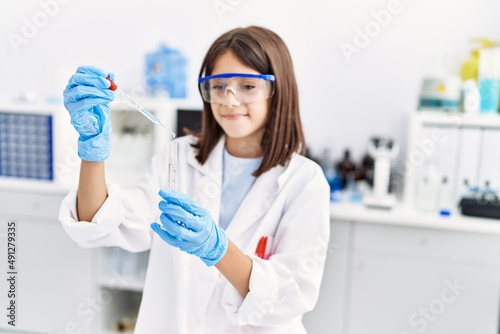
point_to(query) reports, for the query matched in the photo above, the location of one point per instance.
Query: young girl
(243, 179)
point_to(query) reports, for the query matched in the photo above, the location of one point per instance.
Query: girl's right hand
(87, 97)
(190, 227)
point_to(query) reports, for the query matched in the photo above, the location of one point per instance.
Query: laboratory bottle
(489, 79)
(470, 67)
(352, 192)
(428, 187)
(344, 167)
(326, 162)
(445, 201)
(367, 169)
(471, 99)
(331, 175)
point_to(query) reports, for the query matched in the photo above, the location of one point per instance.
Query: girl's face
(243, 124)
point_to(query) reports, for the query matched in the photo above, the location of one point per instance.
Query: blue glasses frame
(267, 77)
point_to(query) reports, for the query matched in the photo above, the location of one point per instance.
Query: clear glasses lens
(246, 90)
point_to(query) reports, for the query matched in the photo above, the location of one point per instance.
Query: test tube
(172, 177)
(173, 158)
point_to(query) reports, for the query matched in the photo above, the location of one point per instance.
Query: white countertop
(402, 215)
(33, 186)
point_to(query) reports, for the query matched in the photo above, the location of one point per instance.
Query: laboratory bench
(400, 271)
(406, 216)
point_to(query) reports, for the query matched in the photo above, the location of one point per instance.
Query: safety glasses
(247, 88)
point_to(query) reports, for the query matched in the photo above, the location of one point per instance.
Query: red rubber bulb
(112, 85)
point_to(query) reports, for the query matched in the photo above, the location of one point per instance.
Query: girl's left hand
(188, 226)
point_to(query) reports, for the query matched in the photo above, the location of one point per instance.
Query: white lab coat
(290, 204)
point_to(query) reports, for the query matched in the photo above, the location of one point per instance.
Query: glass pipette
(133, 104)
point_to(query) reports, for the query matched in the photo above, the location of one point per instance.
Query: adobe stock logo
(224, 6)
(31, 26)
(422, 318)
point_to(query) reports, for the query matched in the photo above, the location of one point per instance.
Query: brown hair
(265, 52)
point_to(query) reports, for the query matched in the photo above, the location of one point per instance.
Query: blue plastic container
(489, 90)
(166, 71)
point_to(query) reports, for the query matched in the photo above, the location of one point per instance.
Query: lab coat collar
(255, 204)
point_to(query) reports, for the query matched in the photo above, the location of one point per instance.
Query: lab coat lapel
(257, 202)
(208, 182)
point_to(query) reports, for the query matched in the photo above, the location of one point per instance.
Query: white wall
(342, 103)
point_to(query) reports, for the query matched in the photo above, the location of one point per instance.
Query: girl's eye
(247, 87)
(217, 87)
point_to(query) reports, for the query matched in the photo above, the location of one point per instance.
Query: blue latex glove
(87, 97)
(190, 227)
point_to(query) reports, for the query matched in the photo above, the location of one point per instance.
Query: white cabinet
(403, 272)
(328, 314)
(408, 280)
(63, 288)
(55, 287)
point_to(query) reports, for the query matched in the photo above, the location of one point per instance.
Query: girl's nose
(230, 100)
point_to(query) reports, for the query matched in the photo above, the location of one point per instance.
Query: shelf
(33, 186)
(123, 306)
(456, 119)
(122, 270)
(134, 284)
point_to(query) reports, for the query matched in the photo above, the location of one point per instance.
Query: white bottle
(428, 187)
(471, 99)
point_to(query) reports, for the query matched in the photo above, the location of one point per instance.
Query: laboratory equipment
(489, 79)
(133, 104)
(346, 168)
(441, 93)
(428, 187)
(166, 72)
(470, 67)
(334, 180)
(382, 150)
(189, 119)
(482, 206)
(471, 99)
(173, 159)
(26, 146)
(36, 145)
(463, 146)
